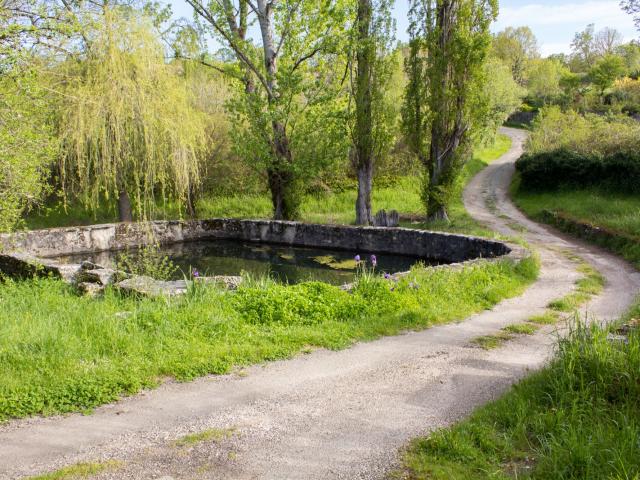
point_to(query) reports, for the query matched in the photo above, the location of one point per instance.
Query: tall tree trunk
(125, 214)
(281, 178)
(191, 202)
(364, 119)
(363, 201)
(284, 196)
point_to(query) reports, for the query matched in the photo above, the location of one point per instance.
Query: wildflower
(387, 276)
(195, 273)
(357, 258)
(374, 260)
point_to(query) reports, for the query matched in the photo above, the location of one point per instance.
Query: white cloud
(586, 12)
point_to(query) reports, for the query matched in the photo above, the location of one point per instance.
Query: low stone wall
(444, 247)
(25, 254)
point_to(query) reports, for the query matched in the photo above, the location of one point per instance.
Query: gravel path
(327, 415)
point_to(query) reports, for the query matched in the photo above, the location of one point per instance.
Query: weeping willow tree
(128, 124)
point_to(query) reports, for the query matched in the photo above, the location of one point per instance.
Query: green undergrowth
(589, 285)
(79, 471)
(62, 353)
(578, 418)
(402, 195)
(495, 340)
(615, 213)
(209, 435)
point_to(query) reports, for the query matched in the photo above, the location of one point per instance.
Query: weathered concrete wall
(444, 247)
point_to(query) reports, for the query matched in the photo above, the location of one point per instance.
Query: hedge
(559, 168)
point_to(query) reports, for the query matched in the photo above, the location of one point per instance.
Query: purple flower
(387, 276)
(357, 258)
(374, 260)
(195, 273)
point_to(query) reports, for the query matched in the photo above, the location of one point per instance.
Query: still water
(284, 263)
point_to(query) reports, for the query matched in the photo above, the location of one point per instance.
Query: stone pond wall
(445, 247)
(25, 253)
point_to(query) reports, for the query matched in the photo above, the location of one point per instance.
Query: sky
(554, 22)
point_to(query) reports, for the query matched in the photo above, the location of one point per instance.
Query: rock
(22, 265)
(87, 265)
(68, 272)
(382, 219)
(617, 338)
(230, 282)
(150, 287)
(90, 289)
(103, 276)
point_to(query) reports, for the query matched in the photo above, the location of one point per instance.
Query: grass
(489, 342)
(577, 418)
(521, 328)
(210, 435)
(78, 471)
(334, 207)
(616, 213)
(589, 285)
(63, 353)
(549, 317)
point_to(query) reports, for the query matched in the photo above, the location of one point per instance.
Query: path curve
(327, 415)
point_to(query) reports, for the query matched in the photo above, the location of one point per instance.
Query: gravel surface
(328, 415)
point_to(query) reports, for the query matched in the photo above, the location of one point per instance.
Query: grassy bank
(333, 207)
(61, 353)
(618, 214)
(579, 418)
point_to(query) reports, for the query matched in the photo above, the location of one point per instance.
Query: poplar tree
(371, 139)
(450, 40)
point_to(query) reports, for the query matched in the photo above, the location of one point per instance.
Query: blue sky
(553, 22)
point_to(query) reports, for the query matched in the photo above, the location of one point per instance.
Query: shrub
(563, 167)
(582, 150)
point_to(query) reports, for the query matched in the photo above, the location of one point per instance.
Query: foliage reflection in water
(282, 262)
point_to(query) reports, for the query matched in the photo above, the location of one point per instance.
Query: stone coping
(25, 253)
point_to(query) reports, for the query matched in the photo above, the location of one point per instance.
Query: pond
(282, 262)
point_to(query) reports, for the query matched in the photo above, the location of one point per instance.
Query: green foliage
(580, 151)
(287, 87)
(127, 120)
(583, 134)
(321, 206)
(27, 146)
(444, 93)
(503, 95)
(606, 71)
(545, 79)
(516, 48)
(563, 168)
(61, 353)
(538, 429)
(146, 261)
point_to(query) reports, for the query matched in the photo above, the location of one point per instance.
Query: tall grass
(402, 195)
(62, 353)
(615, 212)
(579, 418)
